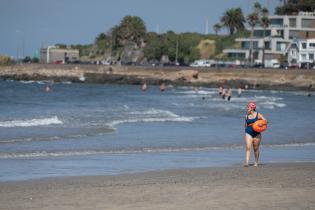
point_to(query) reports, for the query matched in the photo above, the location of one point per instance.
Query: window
(312, 45)
(294, 34)
(280, 33)
(236, 55)
(292, 22)
(276, 22)
(303, 45)
(303, 56)
(245, 45)
(308, 23)
(255, 45)
(280, 46)
(260, 33)
(267, 45)
(311, 56)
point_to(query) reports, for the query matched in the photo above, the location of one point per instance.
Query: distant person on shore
(229, 94)
(144, 86)
(239, 92)
(252, 138)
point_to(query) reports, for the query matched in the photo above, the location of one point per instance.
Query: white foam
(199, 92)
(31, 123)
(27, 81)
(40, 154)
(270, 98)
(82, 78)
(67, 82)
(306, 144)
(152, 115)
(109, 152)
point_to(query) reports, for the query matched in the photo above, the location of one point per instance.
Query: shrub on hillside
(5, 60)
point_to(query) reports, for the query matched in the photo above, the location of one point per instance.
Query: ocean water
(101, 129)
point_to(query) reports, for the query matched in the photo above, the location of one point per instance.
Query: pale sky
(32, 24)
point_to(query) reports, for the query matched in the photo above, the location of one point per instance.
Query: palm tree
(252, 20)
(131, 28)
(217, 28)
(257, 7)
(233, 19)
(264, 11)
(264, 23)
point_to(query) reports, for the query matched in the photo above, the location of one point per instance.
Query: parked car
(59, 62)
(294, 66)
(272, 63)
(202, 63)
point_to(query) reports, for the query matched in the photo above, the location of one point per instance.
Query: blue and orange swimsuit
(249, 129)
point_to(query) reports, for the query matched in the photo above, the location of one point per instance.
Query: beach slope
(271, 186)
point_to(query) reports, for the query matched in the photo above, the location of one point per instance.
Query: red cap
(252, 105)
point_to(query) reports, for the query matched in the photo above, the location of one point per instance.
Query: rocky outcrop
(131, 54)
(250, 78)
(188, 75)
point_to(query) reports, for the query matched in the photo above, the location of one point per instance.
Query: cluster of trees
(172, 47)
(5, 60)
(234, 19)
(131, 33)
(168, 47)
(290, 7)
(259, 16)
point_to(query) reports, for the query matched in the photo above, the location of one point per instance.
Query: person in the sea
(48, 88)
(239, 92)
(223, 94)
(229, 94)
(252, 138)
(162, 87)
(220, 90)
(144, 86)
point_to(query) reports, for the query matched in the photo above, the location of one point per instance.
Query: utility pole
(176, 56)
(207, 27)
(17, 54)
(23, 46)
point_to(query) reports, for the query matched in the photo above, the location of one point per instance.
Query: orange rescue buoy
(260, 126)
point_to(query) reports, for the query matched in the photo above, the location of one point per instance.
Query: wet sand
(270, 186)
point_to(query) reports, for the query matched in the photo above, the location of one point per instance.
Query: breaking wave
(31, 123)
(152, 115)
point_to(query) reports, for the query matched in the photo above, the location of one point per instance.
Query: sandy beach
(270, 186)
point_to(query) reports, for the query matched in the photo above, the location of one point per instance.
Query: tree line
(131, 34)
(132, 37)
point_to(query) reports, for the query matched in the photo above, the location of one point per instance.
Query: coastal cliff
(277, 79)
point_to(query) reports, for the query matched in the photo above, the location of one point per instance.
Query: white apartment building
(301, 52)
(278, 36)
